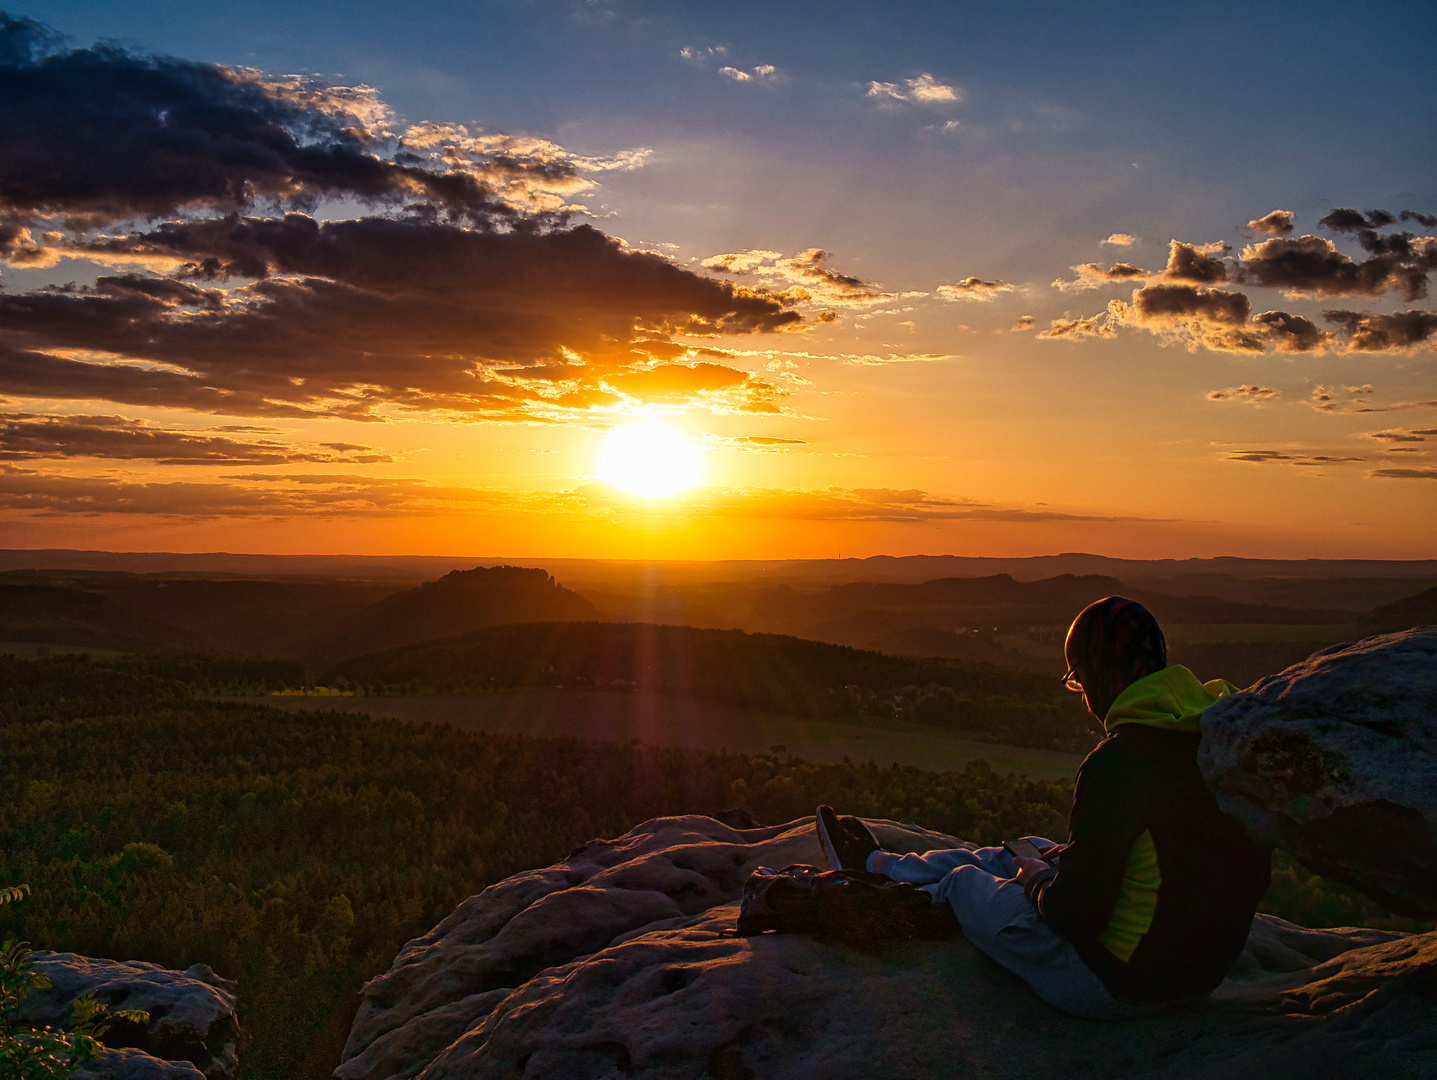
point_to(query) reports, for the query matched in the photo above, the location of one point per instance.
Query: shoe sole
(830, 851)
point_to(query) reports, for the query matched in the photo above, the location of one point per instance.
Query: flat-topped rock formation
(622, 960)
(1335, 760)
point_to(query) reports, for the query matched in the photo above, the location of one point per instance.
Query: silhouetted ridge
(1419, 610)
(460, 601)
(62, 616)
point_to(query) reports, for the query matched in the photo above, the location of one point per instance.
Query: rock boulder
(192, 1027)
(1335, 760)
(623, 961)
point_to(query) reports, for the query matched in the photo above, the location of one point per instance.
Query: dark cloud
(1265, 457)
(1385, 333)
(344, 317)
(1406, 474)
(1195, 264)
(1214, 318)
(105, 134)
(1429, 220)
(31, 436)
(1251, 393)
(1276, 223)
(1292, 333)
(1312, 265)
(1403, 435)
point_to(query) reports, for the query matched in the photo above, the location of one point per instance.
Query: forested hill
(761, 671)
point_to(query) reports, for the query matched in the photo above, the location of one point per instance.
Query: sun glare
(651, 460)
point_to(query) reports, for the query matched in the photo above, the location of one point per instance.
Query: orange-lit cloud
(972, 288)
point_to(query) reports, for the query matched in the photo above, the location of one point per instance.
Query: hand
(1028, 867)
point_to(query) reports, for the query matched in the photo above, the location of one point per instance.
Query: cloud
(1275, 223)
(469, 293)
(253, 496)
(873, 360)
(1025, 322)
(814, 281)
(1330, 399)
(1402, 330)
(1214, 318)
(1405, 474)
(1121, 239)
(1194, 264)
(288, 496)
(1250, 393)
(1312, 266)
(1403, 435)
(1267, 457)
(1430, 220)
(1098, 325)
(1292, 333)
(721, 388)
(347, 317)
(1095, 275)
(753, 444)
(925, 90)
(971, 288)
(32, 436)
(104, 134)
(761, 73)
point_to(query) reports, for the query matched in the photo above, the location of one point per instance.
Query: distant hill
(66, 616)
(460, 601)
(1419, 610)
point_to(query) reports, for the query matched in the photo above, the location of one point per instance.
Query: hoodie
(1156, 887)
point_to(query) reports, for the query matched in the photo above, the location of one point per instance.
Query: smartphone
(1022, 849)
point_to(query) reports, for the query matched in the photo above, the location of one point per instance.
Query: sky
(653, 280)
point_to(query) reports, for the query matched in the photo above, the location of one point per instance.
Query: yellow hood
(1172, 699)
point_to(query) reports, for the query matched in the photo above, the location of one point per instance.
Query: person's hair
(1116, 641)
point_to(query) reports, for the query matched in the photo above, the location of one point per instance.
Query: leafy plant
(29, 1053)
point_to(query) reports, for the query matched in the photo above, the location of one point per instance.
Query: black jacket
(1142, 779)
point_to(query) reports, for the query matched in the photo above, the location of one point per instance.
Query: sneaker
(847, 842)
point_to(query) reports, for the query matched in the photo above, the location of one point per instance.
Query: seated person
(1151, 899)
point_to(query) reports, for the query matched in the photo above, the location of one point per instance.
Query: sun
(651, 460)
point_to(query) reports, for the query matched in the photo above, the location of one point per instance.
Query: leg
(933, 866)
(999, 920)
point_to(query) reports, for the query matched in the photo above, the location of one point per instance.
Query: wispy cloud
(1250, 393)
(924, 90)
(32, 436)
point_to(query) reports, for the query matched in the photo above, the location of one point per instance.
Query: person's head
(1112, 644)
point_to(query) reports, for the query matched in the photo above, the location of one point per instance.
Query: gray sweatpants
(1000, 920)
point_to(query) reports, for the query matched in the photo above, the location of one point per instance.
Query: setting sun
(650, 459)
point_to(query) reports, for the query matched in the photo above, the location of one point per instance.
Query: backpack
(854, 906)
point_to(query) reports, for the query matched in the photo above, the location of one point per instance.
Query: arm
(1109, 808)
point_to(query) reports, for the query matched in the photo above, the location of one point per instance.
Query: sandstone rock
(673, 992)
(130, 1064)
(1335, 760)
(192, 1014)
